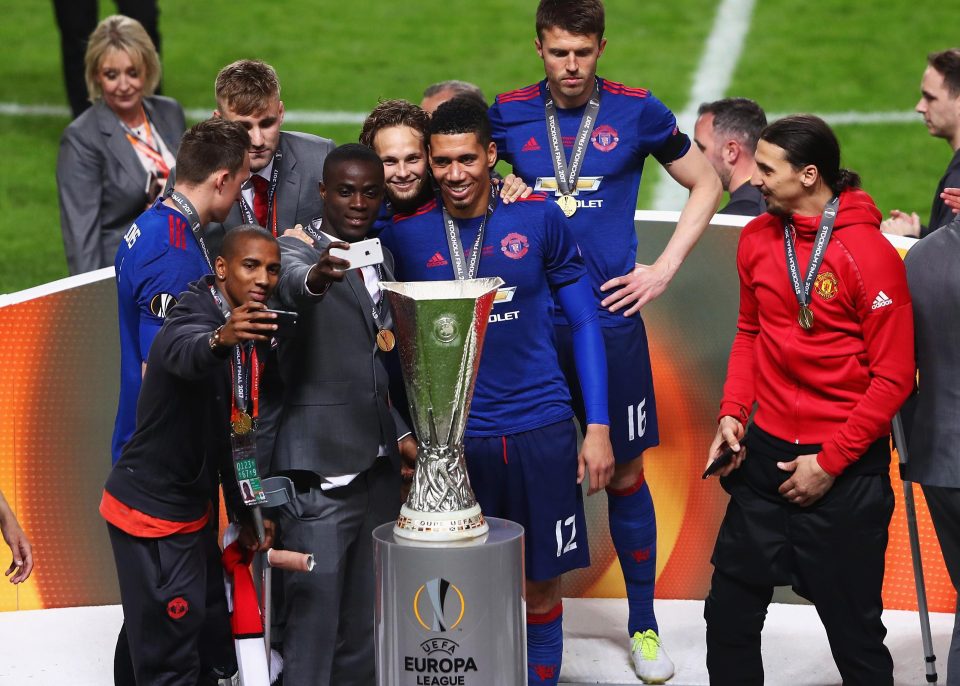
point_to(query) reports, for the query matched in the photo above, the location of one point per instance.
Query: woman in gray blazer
(116, 156)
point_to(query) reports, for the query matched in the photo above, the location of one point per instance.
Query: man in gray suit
(337, 437)
(286, 166)
(935, 436)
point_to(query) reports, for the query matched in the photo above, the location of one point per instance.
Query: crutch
(900, 442)
(279, 492)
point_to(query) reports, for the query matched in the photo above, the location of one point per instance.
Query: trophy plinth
(439, 327)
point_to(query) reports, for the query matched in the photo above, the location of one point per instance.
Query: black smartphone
(725, 458)
(286, 323)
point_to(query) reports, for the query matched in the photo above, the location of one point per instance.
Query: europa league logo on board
(439, 605)
(440, 327)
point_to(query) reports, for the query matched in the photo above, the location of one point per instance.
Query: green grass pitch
(822, 55)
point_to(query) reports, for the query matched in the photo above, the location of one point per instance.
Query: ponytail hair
(807, 139)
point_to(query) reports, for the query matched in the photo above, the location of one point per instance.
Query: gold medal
(805, 317)
(242, 424)
(568, 204)
(386, 340)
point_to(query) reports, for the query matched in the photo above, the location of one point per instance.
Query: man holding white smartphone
(337, 435)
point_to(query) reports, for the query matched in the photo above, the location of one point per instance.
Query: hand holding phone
(286, 323)
(361, 254)
(723, 459)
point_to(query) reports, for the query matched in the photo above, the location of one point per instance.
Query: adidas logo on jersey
(530, 145)
(437, 260)
(882, 300)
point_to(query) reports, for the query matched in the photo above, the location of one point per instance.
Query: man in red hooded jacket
(824, 352)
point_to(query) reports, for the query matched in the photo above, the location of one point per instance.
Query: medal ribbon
(190, 212)
(246, 381)
(147, 147)
(462, 270)
(248, 216)
(313, 229)
(827, 219)
(567, 175)
(245, 371)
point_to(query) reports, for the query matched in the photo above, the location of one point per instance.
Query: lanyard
(147, 145)
(802, 290)
(462, 270)
(248, 215)
(190, 212)
(565, 174)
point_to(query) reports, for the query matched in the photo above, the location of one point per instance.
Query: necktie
(260, 199)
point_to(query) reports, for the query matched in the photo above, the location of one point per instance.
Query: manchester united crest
(605, 138)
(826, 286)
(178, 608)
(514, 246)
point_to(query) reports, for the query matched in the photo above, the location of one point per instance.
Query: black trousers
(329, 636)
(832, 553)
(174, 608)
(76, 20)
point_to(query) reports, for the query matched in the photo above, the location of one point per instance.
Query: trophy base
(450, 613)
(440, 526)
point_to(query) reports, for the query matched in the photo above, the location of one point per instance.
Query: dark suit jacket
(298, 186)
(935, 289)
(101, 182)
(336, 411)
(746, 201)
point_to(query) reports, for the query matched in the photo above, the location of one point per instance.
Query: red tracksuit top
(841, 382)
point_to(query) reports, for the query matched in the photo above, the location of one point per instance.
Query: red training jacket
(841, 382)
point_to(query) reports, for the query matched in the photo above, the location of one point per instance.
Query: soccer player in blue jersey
(521, 444)
(584, 139)
(397, 131)
(161, 254)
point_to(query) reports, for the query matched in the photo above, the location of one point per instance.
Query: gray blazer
(101, 182)
(934, 281)
(298, 186)
(336, 410)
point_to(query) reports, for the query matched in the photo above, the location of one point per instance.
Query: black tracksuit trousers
(831, 552)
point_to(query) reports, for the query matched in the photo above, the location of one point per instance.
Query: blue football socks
(633, 528)
(544, 646)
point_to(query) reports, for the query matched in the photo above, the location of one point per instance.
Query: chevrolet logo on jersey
(504, 294)
(587, 184)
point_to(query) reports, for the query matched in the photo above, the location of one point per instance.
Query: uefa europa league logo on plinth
(440, 327)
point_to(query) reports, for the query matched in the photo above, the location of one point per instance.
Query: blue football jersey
(631, 125)
(519, 386)
(156, 261)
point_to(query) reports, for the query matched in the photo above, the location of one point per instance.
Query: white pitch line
(12, 109)
(841, 118)
(710, 82)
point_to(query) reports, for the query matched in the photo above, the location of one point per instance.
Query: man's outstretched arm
(647, 282)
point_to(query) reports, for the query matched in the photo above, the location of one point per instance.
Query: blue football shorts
(531, 478)
(631, 402)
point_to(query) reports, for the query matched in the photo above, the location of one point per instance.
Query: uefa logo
(445, 329)
(438, 605)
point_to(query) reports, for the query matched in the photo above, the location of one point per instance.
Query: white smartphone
(361, 253)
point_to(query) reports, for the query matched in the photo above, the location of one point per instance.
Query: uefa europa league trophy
(439, 327)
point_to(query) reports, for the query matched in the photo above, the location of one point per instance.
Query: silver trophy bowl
(439, 326)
